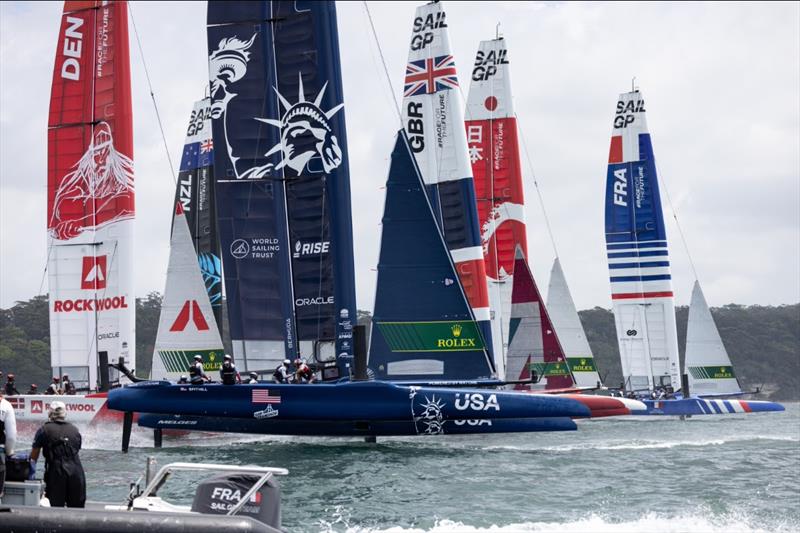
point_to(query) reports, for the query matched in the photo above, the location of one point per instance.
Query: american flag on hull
(265, 396)
(431, 75)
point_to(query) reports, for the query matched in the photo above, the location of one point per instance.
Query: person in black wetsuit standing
(60, 441)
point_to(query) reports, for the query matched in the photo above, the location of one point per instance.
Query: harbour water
(708, 474)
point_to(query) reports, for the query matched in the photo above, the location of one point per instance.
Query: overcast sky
(721, 81)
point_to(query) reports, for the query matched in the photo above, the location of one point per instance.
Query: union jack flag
(431, 75)
(265, 396)
(206, 146)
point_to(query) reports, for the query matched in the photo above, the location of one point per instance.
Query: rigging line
(385, 68)
(536, 185)
(152, 95)
(675, 216)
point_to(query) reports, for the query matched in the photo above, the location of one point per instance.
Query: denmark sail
(570, 330)
(433, 119)
(282, 180)
(90, 193)
(707, 363)
(186, 326)
(195, 192)
(491, 128)
(422, 324)
(638, 258)
(533, 342)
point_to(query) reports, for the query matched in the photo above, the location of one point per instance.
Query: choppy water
(707, 474)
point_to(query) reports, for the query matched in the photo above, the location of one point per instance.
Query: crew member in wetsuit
(53, 388)
(228, 373)
(8, 436)
(196, 374)
(60, 442)
(67, 386)
(34, 389)
(253, 378)
(303, 373)
(281, 374)
(11, 386)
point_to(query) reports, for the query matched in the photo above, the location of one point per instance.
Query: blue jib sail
(283, 191)
(423, 327)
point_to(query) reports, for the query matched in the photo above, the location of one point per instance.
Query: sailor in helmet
(302, 373)
(281, 374)
(227, 372)
(54, 387)
(253, 378)
(11, 386)
(197, 375)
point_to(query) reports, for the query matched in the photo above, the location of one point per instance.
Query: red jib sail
(90, 193)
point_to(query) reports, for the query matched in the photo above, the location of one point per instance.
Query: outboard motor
(220, 494)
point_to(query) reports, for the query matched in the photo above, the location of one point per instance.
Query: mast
(91, 193)
(638, 258)
(491, 128)
(432, 115)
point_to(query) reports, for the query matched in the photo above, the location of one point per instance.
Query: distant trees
(763, 342)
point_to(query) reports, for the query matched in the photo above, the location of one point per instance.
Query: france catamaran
(641, 286)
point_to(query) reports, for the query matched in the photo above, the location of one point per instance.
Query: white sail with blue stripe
(638, 257)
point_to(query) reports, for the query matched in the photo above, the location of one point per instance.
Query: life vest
(62, 442)
(228, 373)
(280, 375)
(196, 370)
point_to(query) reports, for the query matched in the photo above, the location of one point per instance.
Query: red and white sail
(186, 326)
(533, 343)
(90, 196)
(494, 152)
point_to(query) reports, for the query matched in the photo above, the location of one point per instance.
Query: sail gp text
(476, 402)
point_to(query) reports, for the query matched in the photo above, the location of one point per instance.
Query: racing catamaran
(90, 210)
(641, 286)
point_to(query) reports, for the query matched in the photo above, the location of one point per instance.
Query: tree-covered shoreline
(762, 341)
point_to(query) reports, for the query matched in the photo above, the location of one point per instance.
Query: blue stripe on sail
(640, 278)
(634, 245)
(658, 253)
(639, 265)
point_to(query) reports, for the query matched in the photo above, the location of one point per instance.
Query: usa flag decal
(265, 396)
